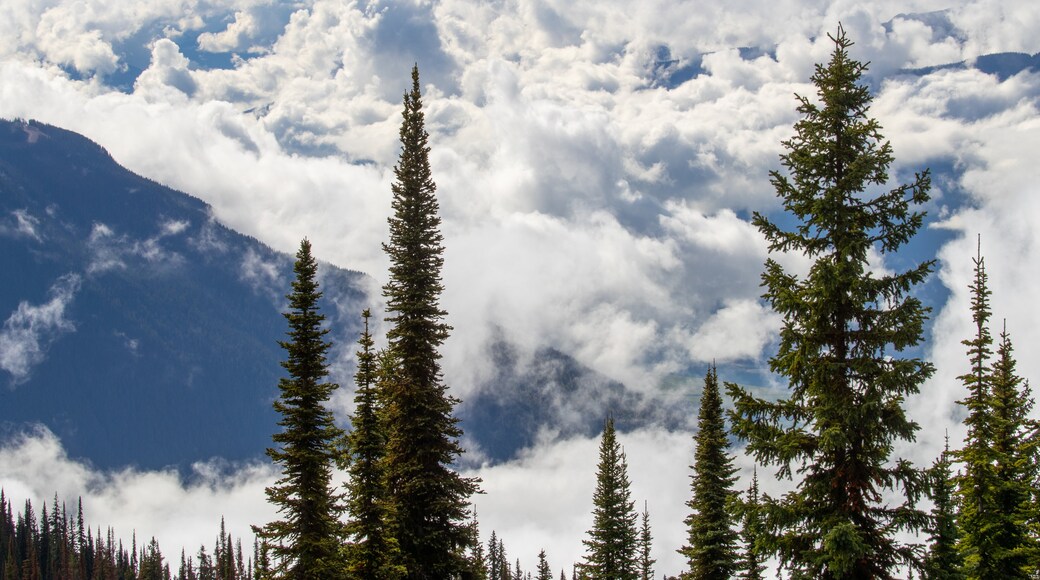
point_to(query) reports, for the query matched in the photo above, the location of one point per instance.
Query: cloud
(21, 224)
(168, 72)
(180, 512)
(264, 276)
(110, 251)
(30, 329)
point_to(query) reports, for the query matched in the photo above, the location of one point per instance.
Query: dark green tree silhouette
(1015, 439)
(306, 543)
(996, 489)
(751, 566)
(845, 327)
(646, 539)
(371, 553)
(429, 500)
(612, 543)
(543, 571)
(943, 561)
(977, 480)
(711, 549)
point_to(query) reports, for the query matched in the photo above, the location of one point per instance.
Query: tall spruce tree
(1015, 439)
(306, 542)
(543, 572)
(612, 543)
(371, 552)
(995, 489)
(943, 561)
(751, 564)
(711, 549)
(844, 329)
(646, 539)
(977, 480)
(429, 500)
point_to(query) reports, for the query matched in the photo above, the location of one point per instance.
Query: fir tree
(1014, 444)
(543, 571)
(711, 551)
(646, 539)
(306, 543)
(943, 561)
(751, 566)
(371, 553)
(429, 499)
(976, 482)
(844, 329)
(478, 565)
(612, 541)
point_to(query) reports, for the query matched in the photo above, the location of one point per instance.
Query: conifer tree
(943, 561)
(1005, 530)
(996, 489)
(751, 565)
(711, 550)
(646, 539)
(429, 499)
(977, 480)
(478, 565)
(306, 542)
(543, 571)
(371, 553)
(844, 330)
(612, 543)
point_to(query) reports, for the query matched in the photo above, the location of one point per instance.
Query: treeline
(59, 545)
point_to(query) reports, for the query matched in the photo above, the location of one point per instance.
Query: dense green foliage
(751, 562)
(306, 544)
(429, 500)
(711, 548)
(612, 543)
(371, 552)
(997, 485)
(646, 544)
(844, 329)
(943, 561)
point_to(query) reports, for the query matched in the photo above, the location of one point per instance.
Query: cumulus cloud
(179, 511)
(31, 328)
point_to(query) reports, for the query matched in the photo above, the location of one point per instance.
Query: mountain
(141, 331)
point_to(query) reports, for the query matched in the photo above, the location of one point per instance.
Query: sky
(597, 165)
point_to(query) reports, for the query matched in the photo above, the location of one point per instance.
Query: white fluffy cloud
(178, 512)
(30, 329)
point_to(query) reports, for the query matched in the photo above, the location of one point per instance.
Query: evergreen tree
(1014, 444)
(711, 551)
(751, 566)
(943, 561)
(976, 482)
(646, 563)
(543, 571)
(844, 327)
(478, 565)
(612, 541)
(498, 563)
(306, 543)
(429, 499)
(372, 554)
